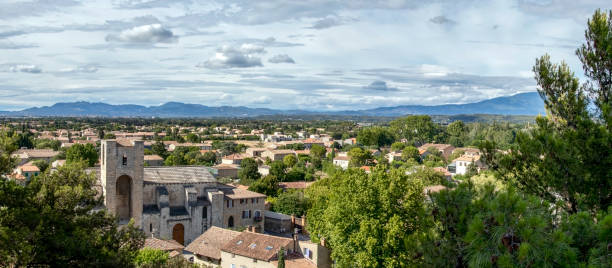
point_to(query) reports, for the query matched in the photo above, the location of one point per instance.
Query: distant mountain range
(519, 104)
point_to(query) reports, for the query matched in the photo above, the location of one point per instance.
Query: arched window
(124, 201)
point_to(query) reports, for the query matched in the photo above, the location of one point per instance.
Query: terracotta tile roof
(35, 153)
(340, 157)
(225, 166)
(235, 156)
(295, 261)
(310, 140)
(302, 151)
(256, 246)
(467, 158)
(365, 168)
(29, 168)
(438, 146)
(282, 151)
(236, 193)
(210, 242)
(442, 170)
(153, 157)
(165, 245)
(295, 184)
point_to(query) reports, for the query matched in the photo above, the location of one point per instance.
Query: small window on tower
(124, 160)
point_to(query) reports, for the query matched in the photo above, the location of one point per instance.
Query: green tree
(159, 148)
(516, 230)
(281, 258)
(359, 157)
(411, 152)
(290, 160)
(109, 136)
(369, 220)
(42, 165)
(249, 171)
(457, 133)
(192, 137)
(148, 256)
(398, 146)
(208, 158)
(417, 129)
(567, 156)
(317, 153)
(278, 170)
(52, 222)
(291, 202)
(268, 185)
(82, 152)
(375, 136)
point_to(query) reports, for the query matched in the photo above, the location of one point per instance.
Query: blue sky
(314, 55)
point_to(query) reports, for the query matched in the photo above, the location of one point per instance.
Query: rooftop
(165, 245)
(152, 157)
(295, 184)
(35, 153)
(256, 246)
(178, 174)
(237, 193)
(210, 242)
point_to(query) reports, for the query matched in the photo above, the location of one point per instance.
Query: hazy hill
(519, 104)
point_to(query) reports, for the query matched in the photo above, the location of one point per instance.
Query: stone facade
(177, 203)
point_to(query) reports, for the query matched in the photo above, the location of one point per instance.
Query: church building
(177, 203)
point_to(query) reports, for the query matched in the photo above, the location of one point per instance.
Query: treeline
(550, 205)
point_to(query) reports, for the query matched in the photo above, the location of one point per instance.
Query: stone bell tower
(121, 175)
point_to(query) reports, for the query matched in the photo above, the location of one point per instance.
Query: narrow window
(124, 160)
(150, 227)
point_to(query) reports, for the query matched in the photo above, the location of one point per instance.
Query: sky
(310, 55)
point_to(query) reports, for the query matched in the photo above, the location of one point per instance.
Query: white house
(342, 161)
(461, 165)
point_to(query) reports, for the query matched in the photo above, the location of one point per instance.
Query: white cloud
(152, 33)
(243, 56)
(379, 85)
(281, 58)
(81, 69)
(25, 68)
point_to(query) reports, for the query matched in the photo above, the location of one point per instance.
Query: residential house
(445, 149)
(308, 143)
(27, 170)
(461, 165)
(234, 159)
(207, 247)
(277, 155)
(171, 246)
(243, 208)
(153, 160)
(342, 161)
(394, 156)
(226, 170)
(201, 146)
(264, 170)
(260, 250)
(26, 155)
(255, 152)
